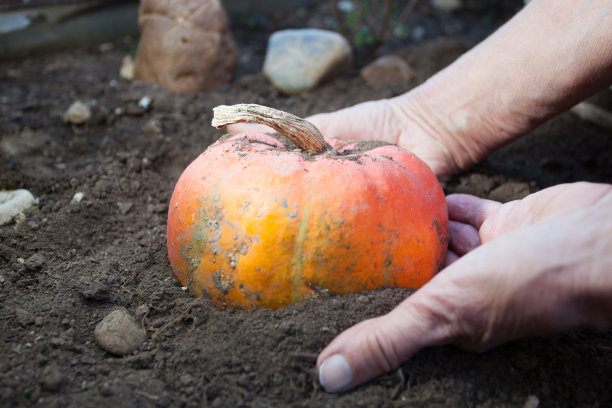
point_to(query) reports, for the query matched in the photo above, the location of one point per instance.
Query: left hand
(537, 266)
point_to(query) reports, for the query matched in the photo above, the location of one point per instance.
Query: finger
(463, 237)
(470, 209)
(451, 257)
(381, 344)
(248, 128)
(327, 123)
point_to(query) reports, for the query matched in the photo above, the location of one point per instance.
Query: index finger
(470, 209)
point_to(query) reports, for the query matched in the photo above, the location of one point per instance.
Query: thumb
(346, 123)
(327, 125)
(379, 345)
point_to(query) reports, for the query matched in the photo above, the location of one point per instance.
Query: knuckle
(382, 348)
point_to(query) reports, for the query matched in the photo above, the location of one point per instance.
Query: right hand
(537, 266)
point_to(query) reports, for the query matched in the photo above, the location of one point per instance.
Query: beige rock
(185, 45)
(77, 114)
(387, 70)
(13, 202)
(127, 68)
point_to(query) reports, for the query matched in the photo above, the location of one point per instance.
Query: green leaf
(352, 18)
(364, 37)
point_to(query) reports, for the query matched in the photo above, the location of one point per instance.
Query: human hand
(543, 267)
(395, 121)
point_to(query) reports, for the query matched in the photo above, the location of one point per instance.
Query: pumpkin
(264, 220)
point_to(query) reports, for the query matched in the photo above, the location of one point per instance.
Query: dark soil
(68, 264)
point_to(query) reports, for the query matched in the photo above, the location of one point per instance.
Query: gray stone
(299, 60)
(387, 70)
(35, 262)
(119, 333)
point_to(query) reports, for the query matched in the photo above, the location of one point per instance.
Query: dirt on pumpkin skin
(69, 264)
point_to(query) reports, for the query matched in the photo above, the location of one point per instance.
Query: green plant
(367, 23)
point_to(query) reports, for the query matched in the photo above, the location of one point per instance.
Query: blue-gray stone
(299, 60)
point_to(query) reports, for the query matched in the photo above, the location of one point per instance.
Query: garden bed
(69, 263)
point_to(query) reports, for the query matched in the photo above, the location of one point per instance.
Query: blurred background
(33, 26)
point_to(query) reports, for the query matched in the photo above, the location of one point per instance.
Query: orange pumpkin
(256, 221)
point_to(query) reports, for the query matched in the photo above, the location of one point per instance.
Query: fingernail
(335, 373)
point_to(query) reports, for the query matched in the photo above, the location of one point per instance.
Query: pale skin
(537, 266)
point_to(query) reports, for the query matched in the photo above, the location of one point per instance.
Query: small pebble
(78, 196)
(13, 203)
(93, 291)
(127, 68)
(35, 262)
(346, 6)
(145, 102)
(387, 70)
(77, 114)
(106, 47)
(152, 127)
(119, 333)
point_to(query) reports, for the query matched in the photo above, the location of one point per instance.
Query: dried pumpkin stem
(301, 132)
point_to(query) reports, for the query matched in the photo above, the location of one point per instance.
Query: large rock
(185, 45)
(299, 60)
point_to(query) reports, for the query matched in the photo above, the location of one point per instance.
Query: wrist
(451, 117)
(540, 63)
